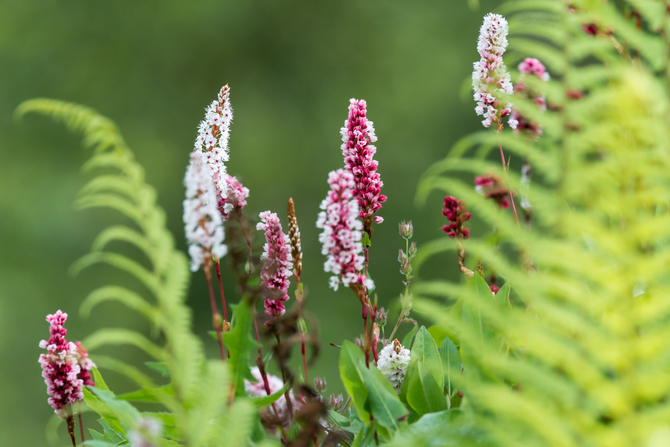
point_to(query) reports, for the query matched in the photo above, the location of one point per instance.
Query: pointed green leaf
(267, 400)
(424, 394)
(239, 344)
(451, 363)
(351, 358)
(383, 402)
(425, 350)
(407, 340)
(148, 395)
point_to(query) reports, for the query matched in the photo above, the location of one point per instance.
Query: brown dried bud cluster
(294, 236)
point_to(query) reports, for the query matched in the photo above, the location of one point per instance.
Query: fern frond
(104, 337)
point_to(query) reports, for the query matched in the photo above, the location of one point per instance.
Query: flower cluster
(341, 236)
(393, 362)
(202, 220)
(357, 134)
(490, 80)
(60, 367)
(491, 187)
(530, 67)
(277, 264)
(257, 389)
(455, 211)
(236, 197)
(212, 139)
(85, 364)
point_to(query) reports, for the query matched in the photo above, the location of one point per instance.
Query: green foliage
(197, 396)
(580, 356)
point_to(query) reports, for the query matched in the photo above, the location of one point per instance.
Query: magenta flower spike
(357, 134)
(277, 264)
(203, 223)
(236, 197)
(60, 367)
(342, 232)
(85, 364)
(490, 79)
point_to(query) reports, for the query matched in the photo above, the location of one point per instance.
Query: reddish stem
(266, 384)
(81, 425)
(509, 190)
(304, 357)
(215, 312)
(223, 298)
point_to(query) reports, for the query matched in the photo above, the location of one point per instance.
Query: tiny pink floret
(277, 264)
(60, 367)
(236, 197)
(357, 134)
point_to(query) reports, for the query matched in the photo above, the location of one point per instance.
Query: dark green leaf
(99, 381)
(407, 341)
(239, 344)
(383, 402)
(424, 394)
(425, 350)
(351, 358)
(443, 429)
(338, 418)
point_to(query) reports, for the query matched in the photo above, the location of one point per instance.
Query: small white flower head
(203, 224)
(212, 139)
(146, 433)
(393, 362)
(490, 80)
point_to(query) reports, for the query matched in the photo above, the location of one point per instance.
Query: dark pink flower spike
(277, 264)
(357, 134)
(455, 211)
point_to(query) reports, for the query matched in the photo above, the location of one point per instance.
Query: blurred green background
(152, 66)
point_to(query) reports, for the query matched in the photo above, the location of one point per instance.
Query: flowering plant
(555, 335)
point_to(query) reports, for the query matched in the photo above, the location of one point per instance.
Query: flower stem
(509, 190)
(81, 424)
(70, 429)
(289, 404)
(215, 312)
(266, 384)
(223, 298)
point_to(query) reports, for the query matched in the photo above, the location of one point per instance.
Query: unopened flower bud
(382, 315)
(217, 320)
(406, 230)
(335, 402)
(405, 267)
(412, 249)
(320, 384)
(225, 327)
(401, 256)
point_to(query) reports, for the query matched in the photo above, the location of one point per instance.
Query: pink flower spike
(490, 80)
(236, 197)
(85, 364)
(60, 367)
(277, 265)
(529, 67)
(342, 232)
(357, 134)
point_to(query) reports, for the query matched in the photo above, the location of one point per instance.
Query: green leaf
(425, 350)
(366, 240)
(502, 297)
(267, 400)
(383, 402)
(439, 333)
(451, 363)
(128, 415)
(424, 394)
(103, 410)
(148, 395)
(365, 437)
(407, 340)
(160, 367)
(239, 344)
(338, 418)
(99, 381)
(443, 429)
(98, 443)
(105, 337)
(122, 295)
(351, 357)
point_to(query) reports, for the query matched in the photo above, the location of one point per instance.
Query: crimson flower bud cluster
(492, 187)
(455, 211)
(530, 67)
